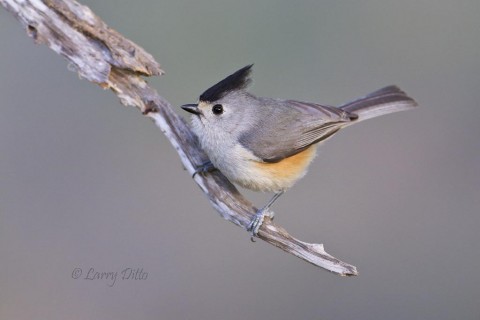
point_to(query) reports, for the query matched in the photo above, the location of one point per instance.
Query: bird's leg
(204, 168)
(257, 220)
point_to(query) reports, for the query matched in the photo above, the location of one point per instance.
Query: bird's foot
(257, 221)
(204, 168)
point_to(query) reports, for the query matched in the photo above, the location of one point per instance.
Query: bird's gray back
(286, 127)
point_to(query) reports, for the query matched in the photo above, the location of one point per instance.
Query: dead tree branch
(103, 56)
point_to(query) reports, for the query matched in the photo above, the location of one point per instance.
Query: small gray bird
(267, 144)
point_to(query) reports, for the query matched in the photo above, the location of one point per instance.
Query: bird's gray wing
(291, 127)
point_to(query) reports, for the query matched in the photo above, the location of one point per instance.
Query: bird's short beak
(192, 108)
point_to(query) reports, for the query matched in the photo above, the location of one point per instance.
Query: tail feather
(386, 100)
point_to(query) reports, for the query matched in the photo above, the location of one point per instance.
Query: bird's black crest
(236, 81)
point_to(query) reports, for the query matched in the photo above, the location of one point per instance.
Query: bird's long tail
(386, 100)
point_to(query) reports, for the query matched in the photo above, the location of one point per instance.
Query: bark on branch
(103, 56)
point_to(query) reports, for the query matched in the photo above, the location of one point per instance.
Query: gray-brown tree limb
(103, 56)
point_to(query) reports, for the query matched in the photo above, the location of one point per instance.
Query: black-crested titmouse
(267, 144)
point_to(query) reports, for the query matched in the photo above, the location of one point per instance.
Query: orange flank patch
(290, 168)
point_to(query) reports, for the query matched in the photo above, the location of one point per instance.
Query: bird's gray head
(224, 107)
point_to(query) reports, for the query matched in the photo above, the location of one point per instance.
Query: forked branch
(103, 56)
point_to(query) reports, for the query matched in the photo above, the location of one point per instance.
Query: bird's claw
(204, 168)
(257, 221)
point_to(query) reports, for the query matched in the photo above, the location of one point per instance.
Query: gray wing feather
(289, 127)
(285, 128)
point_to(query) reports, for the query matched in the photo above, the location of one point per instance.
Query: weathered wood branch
(103, 56)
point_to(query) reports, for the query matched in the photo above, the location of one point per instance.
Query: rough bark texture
(103, 56)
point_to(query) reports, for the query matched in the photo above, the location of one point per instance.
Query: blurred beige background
(87, 183)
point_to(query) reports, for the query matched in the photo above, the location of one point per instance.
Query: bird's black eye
(217, 109)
